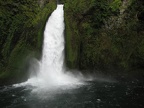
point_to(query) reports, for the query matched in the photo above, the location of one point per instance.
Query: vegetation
(21, 34)
(104, 34)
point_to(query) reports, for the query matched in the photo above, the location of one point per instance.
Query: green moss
(72, 43)
(115, 5)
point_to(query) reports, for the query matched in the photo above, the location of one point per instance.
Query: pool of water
(93, 94)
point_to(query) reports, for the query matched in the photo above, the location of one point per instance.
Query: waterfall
(51, 71)
(53, 57)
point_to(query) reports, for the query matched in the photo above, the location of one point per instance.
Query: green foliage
(109, 33)
(115, 5)
(71, 44)
(83, 18)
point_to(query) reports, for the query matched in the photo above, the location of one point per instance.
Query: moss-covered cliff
(99, 34)
(104, 34)
(22, 24)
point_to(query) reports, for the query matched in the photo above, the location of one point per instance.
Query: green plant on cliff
(115, 5)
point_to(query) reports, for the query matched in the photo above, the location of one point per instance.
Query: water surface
(94, 94)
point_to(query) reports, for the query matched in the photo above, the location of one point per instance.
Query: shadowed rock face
(59, 2)
(141, 16)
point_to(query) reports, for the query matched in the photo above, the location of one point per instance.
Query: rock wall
(104, 34)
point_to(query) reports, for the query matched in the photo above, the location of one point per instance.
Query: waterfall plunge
(52, 60)
(51, 72)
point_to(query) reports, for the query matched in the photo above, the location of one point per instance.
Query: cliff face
(99, 34)
(104, 34)
(21, 35)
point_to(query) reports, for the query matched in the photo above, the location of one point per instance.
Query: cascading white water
(52, 59)
(51, 67)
